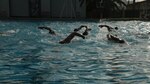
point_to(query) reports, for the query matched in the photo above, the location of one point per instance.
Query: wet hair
(121, 41)
(85, 33)
(52, 32)
(76, 29)
(116, 28)
(100, 25)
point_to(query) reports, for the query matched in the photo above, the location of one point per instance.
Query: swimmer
(72, 35)
(111, 30)
(7, 33)
(49, 29)
(113, 34)
(2, 33)
(116, 39)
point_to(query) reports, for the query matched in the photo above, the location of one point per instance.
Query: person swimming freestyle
(72, 35)
(49, 29)
(113, 34)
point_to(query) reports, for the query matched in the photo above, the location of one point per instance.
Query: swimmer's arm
(82, 27)
(49, 29)
(77, 34)
(40, 27)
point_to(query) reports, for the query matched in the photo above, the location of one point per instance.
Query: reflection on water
(29, 55)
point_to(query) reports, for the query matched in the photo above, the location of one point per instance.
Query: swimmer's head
(85, 33)
(76, 29)
(122, 41)
(101, 26)
(116, 28)
(52, 32)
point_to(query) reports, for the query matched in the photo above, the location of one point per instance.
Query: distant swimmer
(2, 33)
(5, 34)
(49, 29)
(8, 33)
(115, 39)
(72, 35)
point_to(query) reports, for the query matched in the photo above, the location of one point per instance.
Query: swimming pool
(32, 56)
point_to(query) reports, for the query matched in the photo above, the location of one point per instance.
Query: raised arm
(49, 29)
(103, 26)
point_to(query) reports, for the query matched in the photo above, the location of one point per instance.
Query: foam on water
(30, 55)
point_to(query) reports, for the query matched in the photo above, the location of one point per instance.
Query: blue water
(32, 56)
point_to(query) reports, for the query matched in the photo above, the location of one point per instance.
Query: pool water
(32, 56)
